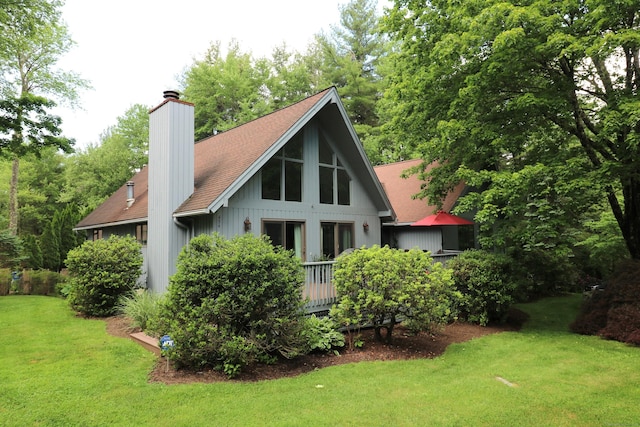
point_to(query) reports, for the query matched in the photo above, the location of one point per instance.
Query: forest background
(533, 104)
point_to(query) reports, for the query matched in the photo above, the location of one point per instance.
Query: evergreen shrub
(232, 303)
(486, 285)
(101, 271)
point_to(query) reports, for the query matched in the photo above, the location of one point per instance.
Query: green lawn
(56, 369)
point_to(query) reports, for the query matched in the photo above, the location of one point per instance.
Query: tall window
(335, 184)
(288, 234)
(97, 233)
(282, 175)
(336, 238)
(141, 234)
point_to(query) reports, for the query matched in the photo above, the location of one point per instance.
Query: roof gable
(226, 161)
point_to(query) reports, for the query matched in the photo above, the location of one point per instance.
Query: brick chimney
(171, 174)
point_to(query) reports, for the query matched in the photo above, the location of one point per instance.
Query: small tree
(234, 302)
(10, 250)
(101, 272)
(380, 285)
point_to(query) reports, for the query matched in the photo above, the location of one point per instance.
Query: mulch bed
(405, 346)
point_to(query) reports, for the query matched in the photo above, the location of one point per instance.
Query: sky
(131, 51)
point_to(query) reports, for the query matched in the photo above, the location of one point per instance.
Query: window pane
(325, 153)
(293, 237)
(328, 240)
(293, 149)
(271, 174)
(344, 191)
(345, 237)
(293, 181)
(326, 185)
(275, 232)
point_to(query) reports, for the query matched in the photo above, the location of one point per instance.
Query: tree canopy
(490, 89)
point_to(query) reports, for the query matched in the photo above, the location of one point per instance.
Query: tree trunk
(13, 197)
(630, 224)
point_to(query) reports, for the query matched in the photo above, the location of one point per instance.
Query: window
(288, 234)
(282, 175)
(335, 184)
(141, 234)
(97, 233)
(336, 238)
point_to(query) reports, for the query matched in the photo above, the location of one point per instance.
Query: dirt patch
(405, 346)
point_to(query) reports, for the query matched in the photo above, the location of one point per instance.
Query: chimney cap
(171, 94)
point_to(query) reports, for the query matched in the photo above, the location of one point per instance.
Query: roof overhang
(111, 224)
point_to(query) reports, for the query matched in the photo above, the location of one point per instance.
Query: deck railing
(319, 282)
(318, 286)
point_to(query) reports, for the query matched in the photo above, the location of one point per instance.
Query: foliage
(350, 58)
(59, 238)
(614, 313)
(26, 127)
(31, 282)
(379, 286)
(234, 302)
(33, 38)
(32, 252)
(10, 250)
(321, 334)
(141, 306)
(101, 272)
(489, 88)
(604, 244)
(486, 284)
(542, 273)
(96, 172)
(226, 89)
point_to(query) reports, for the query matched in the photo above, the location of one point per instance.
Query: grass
(57, 369)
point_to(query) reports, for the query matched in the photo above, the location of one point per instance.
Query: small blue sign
(166, 343)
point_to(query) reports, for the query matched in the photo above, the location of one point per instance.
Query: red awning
(442, 218)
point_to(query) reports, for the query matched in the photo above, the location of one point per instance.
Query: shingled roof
(400, 192)
(221, 163)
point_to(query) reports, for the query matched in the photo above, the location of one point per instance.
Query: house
(401, 192)
(298, 175)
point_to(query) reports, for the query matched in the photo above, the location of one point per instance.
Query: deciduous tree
(486, 87)
(33, 39)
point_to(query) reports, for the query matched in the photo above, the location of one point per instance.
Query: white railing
(318, 286)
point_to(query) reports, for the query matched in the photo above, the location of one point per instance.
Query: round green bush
(379, 286)
(486, 286)
(101, 272)
(234, 302)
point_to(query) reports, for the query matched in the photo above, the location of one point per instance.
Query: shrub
(42, 282)
(544, 272)
(234, 302)
(141, 306)
(378, 286)
(614, 313)
(321, 333)
(486, 286)
(101, 272)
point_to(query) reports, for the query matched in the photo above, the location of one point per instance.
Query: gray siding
(427, 239)
(248, 203)
(171, 174)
